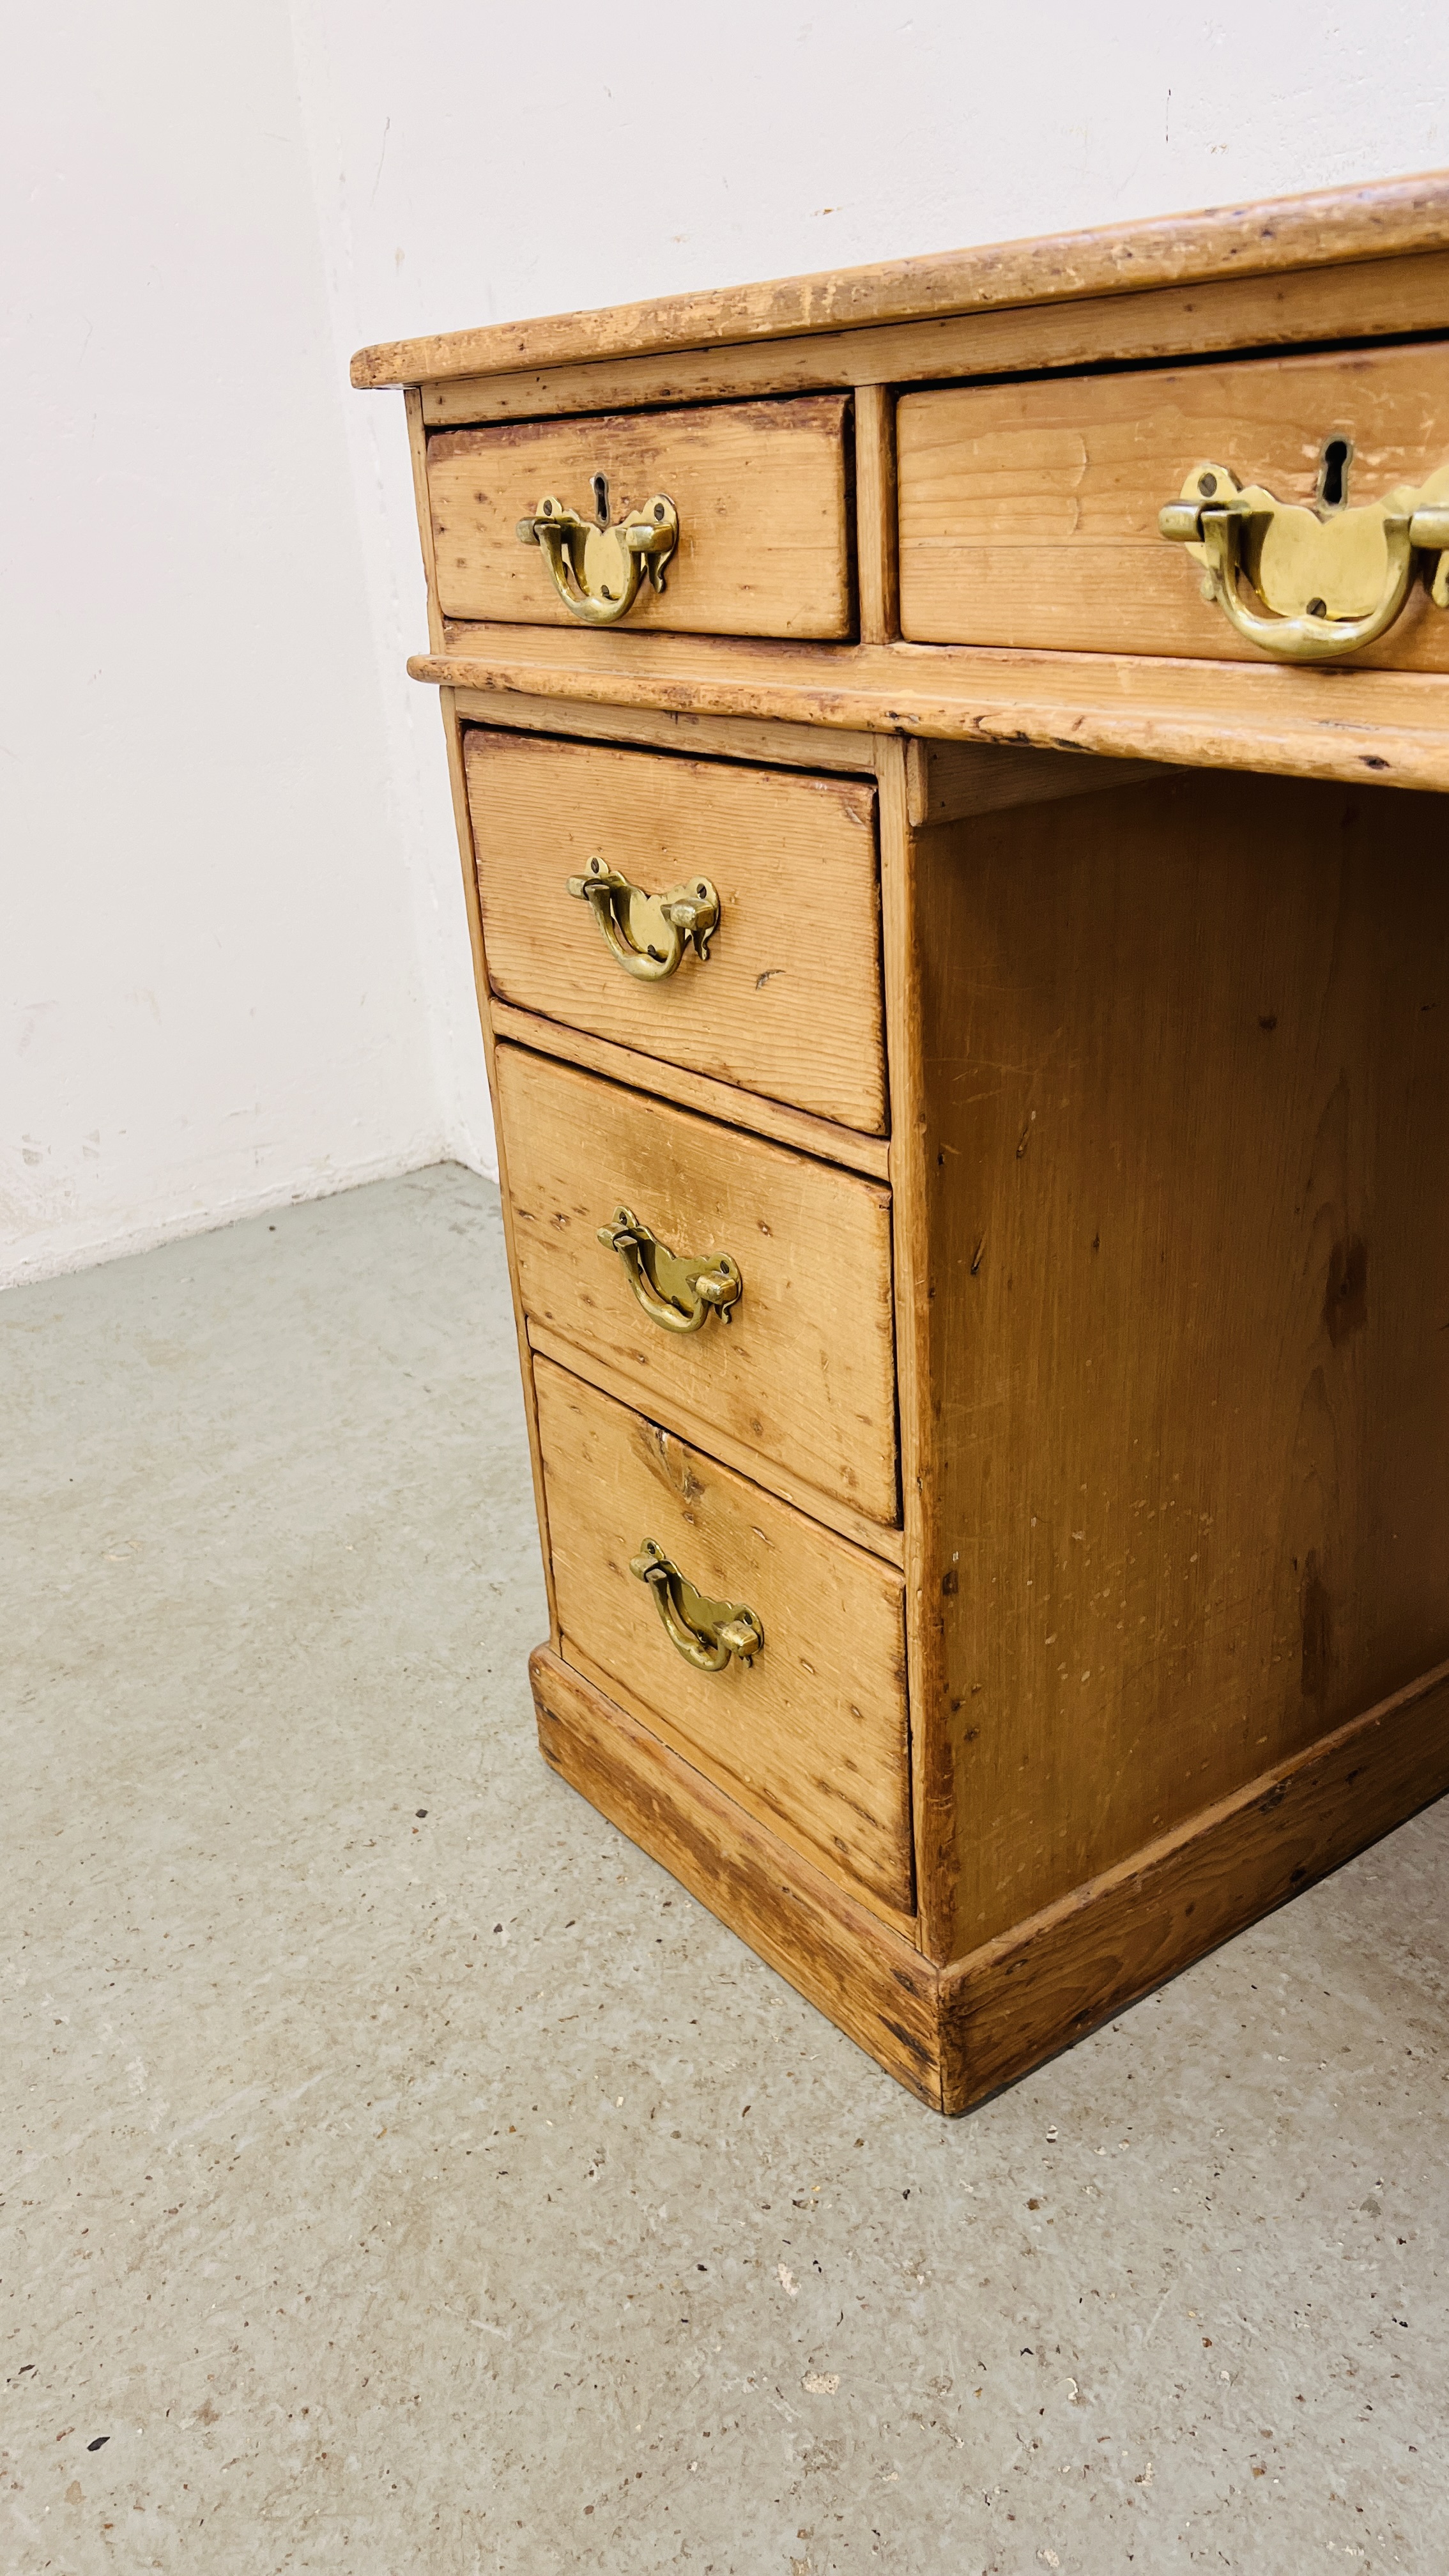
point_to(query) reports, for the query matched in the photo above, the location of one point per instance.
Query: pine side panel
(469, 858)
(1051, 1980)
(418, 452)
(1187, 1067)
(934, 1822)
(467, 854)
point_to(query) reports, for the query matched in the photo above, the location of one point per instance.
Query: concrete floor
(401, 2173)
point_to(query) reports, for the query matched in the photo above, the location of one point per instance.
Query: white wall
(213, 992)
(245, 969)
(499, 159)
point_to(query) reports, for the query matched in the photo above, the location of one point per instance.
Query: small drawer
(796, 1365)
(810, 1732)
(1029, 513)
(787, 1000)
(759, 493)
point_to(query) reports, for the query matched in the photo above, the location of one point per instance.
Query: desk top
(1326, 229)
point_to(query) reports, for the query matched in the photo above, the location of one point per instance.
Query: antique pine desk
(949, 760)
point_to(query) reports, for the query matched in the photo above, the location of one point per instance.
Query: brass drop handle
(597, 569)
(1328, 580)
(706, 1633)
(677, 1293)
(649, 934)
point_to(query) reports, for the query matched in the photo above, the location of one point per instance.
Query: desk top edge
(1328, 228)
(1373, 728)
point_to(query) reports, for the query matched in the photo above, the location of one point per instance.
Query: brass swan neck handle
(649, 934)
(597, 568)
(708, 1634)
(677, 1293)
(1310, 584)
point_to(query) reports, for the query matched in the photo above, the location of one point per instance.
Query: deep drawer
(1029, 512)
(760, 492)
(810, 1734)
(788, 1000)
(798, 1367)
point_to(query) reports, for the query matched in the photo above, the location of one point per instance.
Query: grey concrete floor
(401, 2173)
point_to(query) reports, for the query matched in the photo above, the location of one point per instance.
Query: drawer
(788, 1000)
(810, 1735)
(759, 490)
(799, 1370)
(1029, 512)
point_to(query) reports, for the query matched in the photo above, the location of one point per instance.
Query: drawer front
(802, 1371)
(788, 1001)
(759, 490)
(811, 1734)
(1029, 512)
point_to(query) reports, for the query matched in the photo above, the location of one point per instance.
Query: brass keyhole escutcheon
(1333, 467)
(708, 1634)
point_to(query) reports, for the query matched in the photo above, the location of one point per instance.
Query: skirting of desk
(957, 2032)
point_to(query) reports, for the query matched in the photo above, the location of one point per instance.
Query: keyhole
(1333, 473)
(601, 499)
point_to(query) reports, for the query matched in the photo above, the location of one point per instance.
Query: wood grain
(418, 452)
(760, 488)
(956, 2035)
(788, 1003)
(812, 1736)
(1388, 726)
(779, 746)
(1368, 300)
(1187, 1056)
(906, 928)
(1323, 229)
(1029, 511)
(699, 1434)
(867, 1979)
(876, 514)
(859, 1893)
(802, 1375)
(1049, 1981)
(947, 781)
(1168, 1107)
(469, 859)
(718, 1100)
